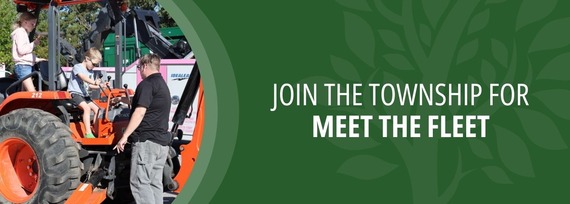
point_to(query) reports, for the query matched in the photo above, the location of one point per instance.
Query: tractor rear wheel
(39, 161)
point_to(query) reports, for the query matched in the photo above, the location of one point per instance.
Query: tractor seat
(61, 79)
(72, 110)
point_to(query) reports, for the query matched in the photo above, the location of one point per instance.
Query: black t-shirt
(153, 94)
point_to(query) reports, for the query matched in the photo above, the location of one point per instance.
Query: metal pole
(137, 46)
(124, 46)
(58, 51)
(52, 44)
(118, 54)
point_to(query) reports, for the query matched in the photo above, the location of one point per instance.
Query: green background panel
(252, 155)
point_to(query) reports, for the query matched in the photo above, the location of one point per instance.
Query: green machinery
(172, 34)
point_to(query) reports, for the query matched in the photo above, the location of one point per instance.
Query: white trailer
(174, 71)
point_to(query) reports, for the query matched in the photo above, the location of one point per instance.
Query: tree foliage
(75, 23)
(7, 16)
(76, 20)
(165, 19)
(7, 19)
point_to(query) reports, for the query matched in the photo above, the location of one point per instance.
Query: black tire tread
(57, 153)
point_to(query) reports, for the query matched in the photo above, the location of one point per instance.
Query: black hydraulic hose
(188, 96)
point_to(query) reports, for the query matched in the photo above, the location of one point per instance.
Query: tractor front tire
(39, 161)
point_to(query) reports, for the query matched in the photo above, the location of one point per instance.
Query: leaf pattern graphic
(556, 100)
(344, 69)
(356, 144)
(480, 149)
(425, 34)
(557, 68)
(540, 129)
(398, 61)
(495, 1)
(366, 167)
(434, 10)
(468, 51)
(361, 5)
(529, 76)
(479, 21)
(422, 48)
(497, 175)
(553, 35)
(387, 12)
(391, 39)
(500, 52)
(513, 152)
(487, 72)
(532, 11)
(359, 38)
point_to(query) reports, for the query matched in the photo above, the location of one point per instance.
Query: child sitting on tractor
(79, 85)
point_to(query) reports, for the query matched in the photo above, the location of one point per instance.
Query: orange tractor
(43, 156)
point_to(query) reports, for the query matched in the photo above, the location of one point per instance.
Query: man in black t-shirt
(148, 132)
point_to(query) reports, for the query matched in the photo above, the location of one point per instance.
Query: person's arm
(92, 83)
(134, 122)
(96, 85)
(144, 97)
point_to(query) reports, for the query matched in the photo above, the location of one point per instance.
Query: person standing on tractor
(80, 83)
(22, 48)
(148, 132)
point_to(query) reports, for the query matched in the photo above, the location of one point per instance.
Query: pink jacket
(22, 47)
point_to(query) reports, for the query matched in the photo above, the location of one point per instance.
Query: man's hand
(120, 147)
(134, 122)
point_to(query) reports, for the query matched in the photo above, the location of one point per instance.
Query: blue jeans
(23, 70)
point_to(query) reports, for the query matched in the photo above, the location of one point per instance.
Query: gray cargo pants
(147, 163)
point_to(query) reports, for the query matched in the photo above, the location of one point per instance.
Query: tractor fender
(43, 100)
